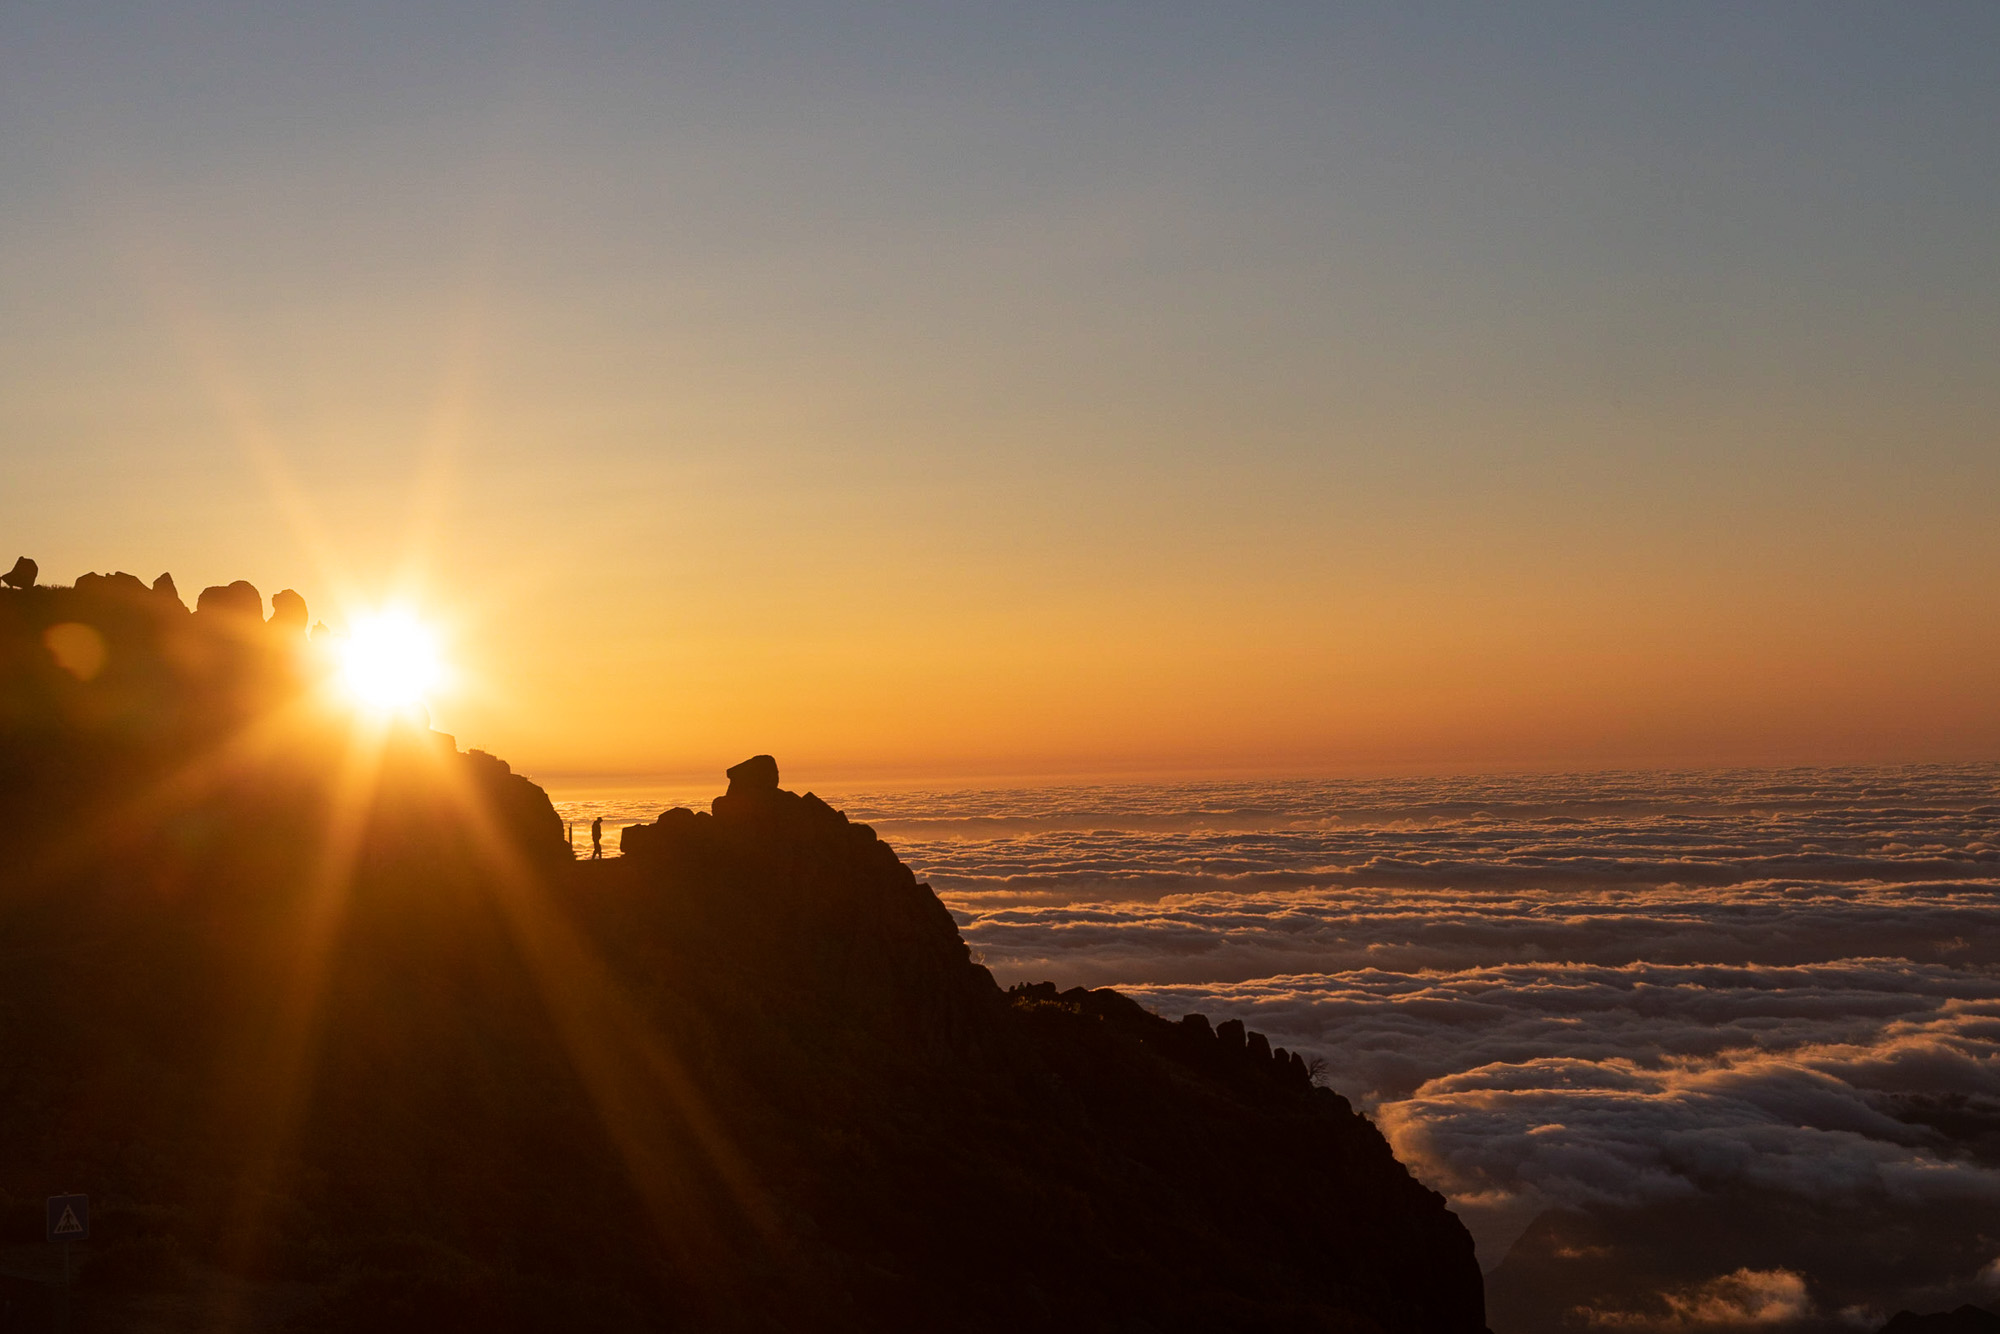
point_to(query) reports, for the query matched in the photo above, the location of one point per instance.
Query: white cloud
(1748, 1297)
(1598, 991)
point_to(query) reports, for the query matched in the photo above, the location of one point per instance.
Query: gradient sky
(986, 389)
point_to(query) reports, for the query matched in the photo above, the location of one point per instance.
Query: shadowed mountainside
(336, 1035)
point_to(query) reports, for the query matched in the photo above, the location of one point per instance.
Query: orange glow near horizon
(1317, 437)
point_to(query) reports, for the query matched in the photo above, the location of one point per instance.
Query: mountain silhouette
(337, 1034)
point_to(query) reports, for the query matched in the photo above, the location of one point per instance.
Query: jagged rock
(1230, 1033)
(288, 612)
(1260, 1048)
(23, 574)
(119, 584)
(1289, 1069)
(164, 587)
(239, 600)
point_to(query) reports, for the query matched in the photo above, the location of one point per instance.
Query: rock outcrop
(239, 600)
(1047, 1159)
(288, 613)
(759, 773)
(343, 1040)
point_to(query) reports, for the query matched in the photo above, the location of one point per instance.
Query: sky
(980, 390)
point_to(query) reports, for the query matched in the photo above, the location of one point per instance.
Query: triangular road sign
(66, 1217)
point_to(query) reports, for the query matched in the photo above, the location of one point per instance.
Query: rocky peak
(759, 773)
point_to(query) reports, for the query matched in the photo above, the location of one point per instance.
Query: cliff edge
(1040, 1158)
(337, 1035)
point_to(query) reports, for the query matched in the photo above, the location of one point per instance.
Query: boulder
(119, 584)
(288, 612)
(759, 773)
(22, 575)
(239, 600)
(646, 840)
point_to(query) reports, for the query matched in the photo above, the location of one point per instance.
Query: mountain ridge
(337, 1034)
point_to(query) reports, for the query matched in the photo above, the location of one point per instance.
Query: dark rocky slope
(337, 1036)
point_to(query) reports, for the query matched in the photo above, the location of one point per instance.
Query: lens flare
(390, 661)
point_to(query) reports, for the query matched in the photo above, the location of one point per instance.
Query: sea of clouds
(1602, 993)
(1583, 997)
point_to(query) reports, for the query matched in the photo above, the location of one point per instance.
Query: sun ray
(229, 392)
(637, 1083)
(284, 1059)
(207, 772)
(271, 1075)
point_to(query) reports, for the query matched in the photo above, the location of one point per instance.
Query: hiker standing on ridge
(597, 838)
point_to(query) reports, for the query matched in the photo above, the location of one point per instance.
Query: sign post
(66, 1219)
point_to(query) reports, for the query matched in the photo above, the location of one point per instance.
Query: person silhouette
(597, 839)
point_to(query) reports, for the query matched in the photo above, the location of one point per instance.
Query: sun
(390, 661)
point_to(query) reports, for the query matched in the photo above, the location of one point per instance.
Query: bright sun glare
(390, 661)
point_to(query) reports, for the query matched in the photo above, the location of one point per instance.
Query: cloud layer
(1655, 1006)
(1556, 993)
